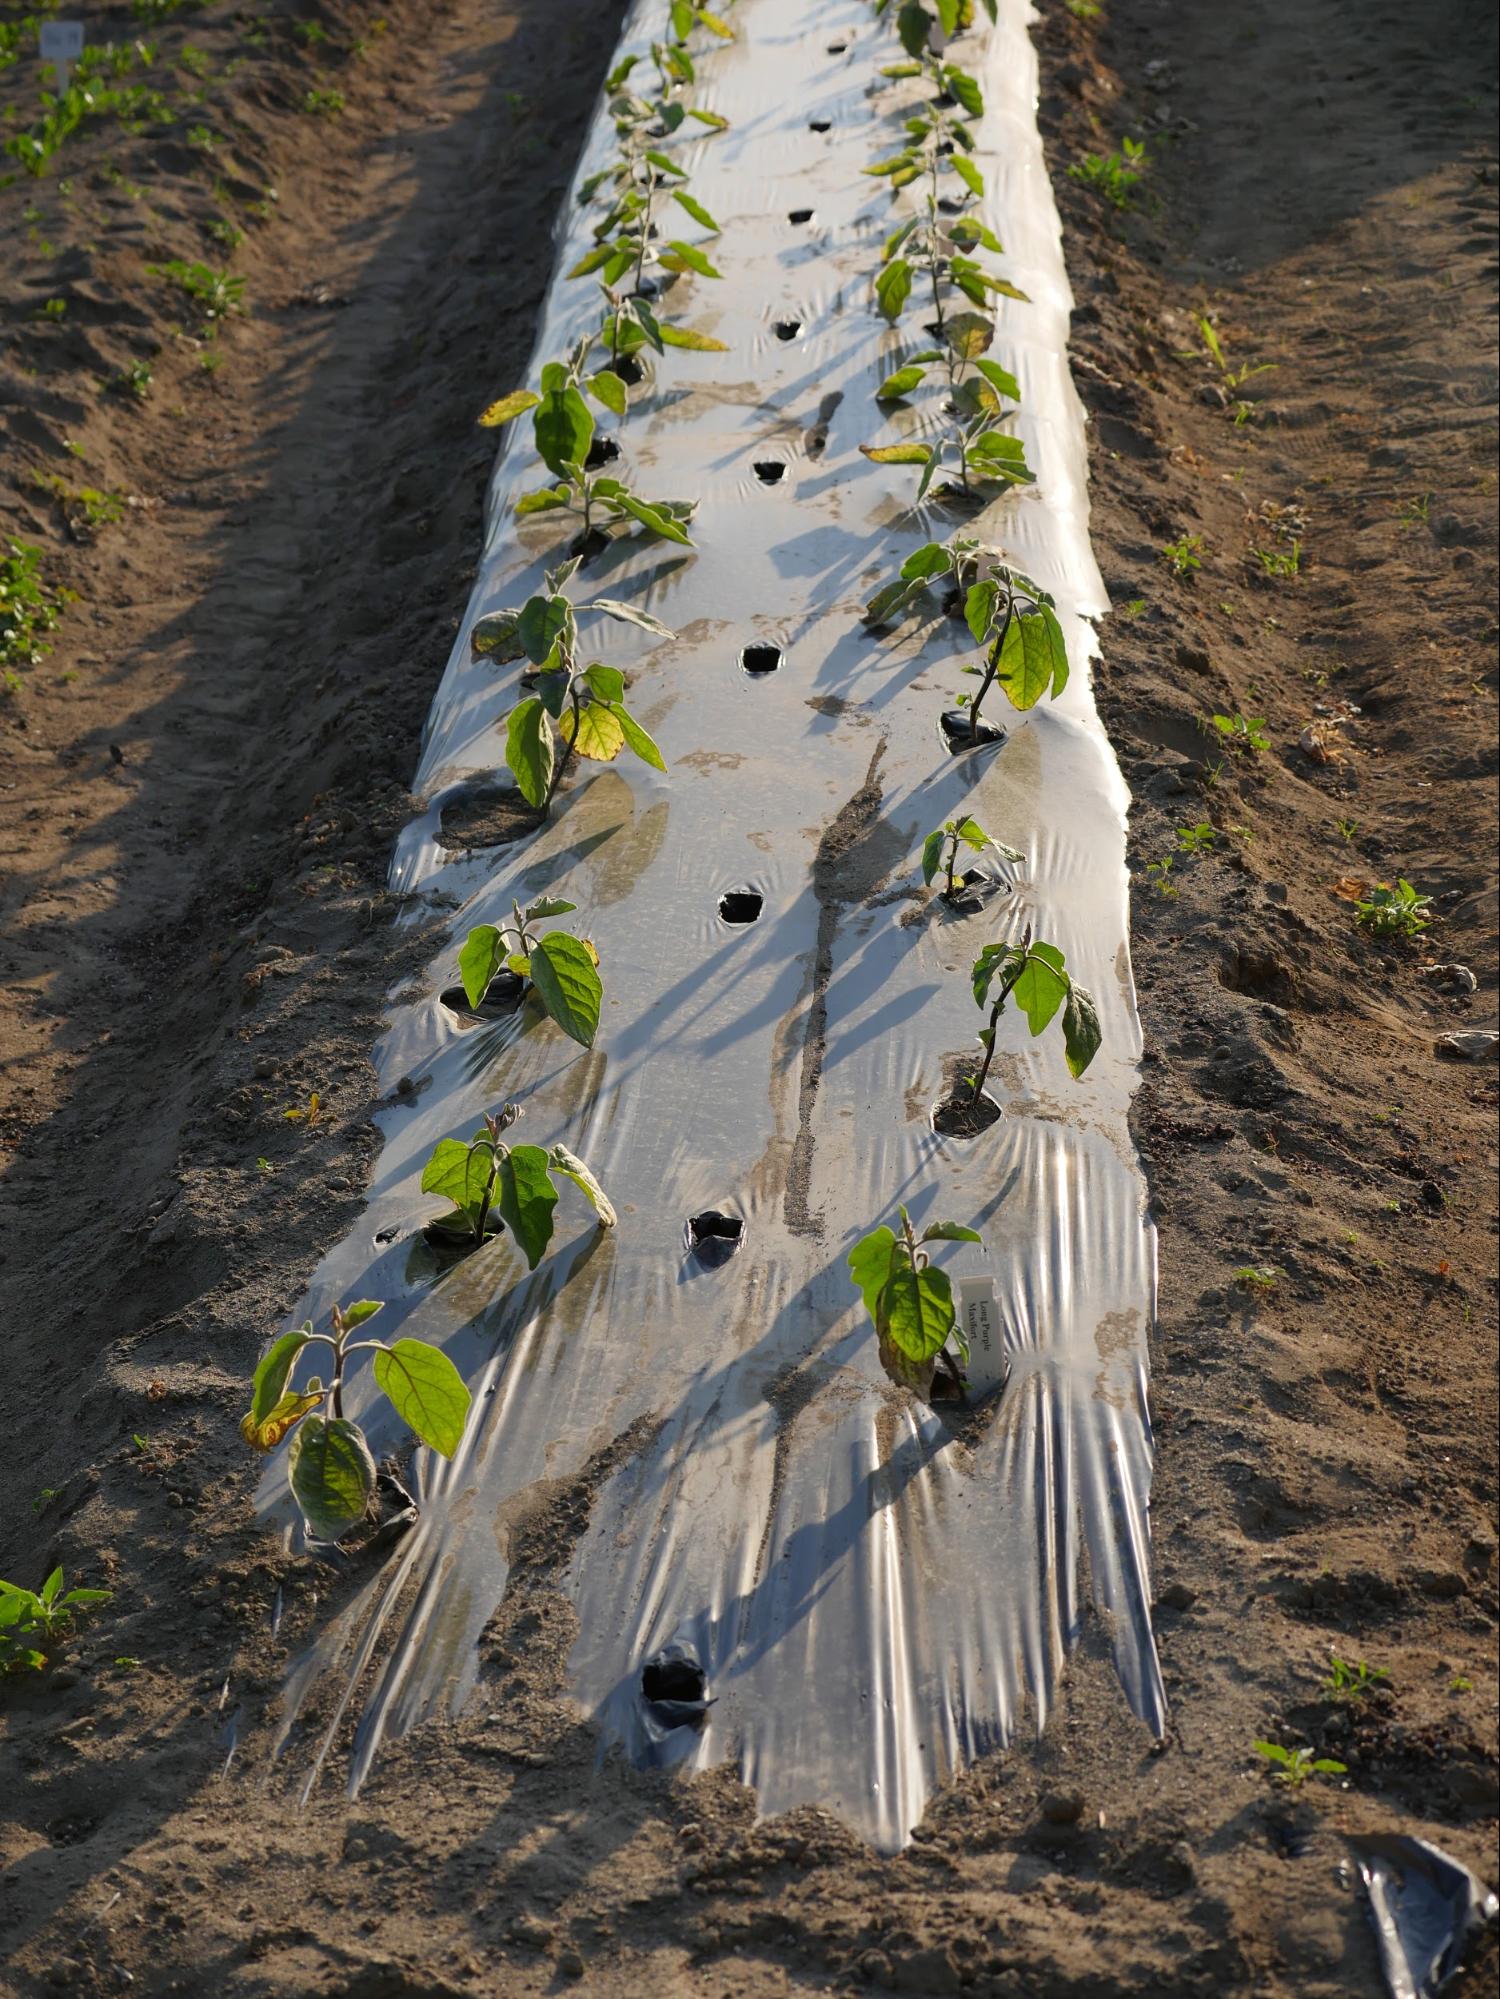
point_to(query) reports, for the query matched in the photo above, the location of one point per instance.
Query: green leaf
(494, 637)
(482, 956)
(271, 1378)
(607, 388)
(715, 121)
(659, 523)
(968, 173)
(900, 384)
(361, 1310)
(427, 1392)
(898, 454)
(594, 732)
(689, 337)
(564, 427)
(964, 89)
(607, 683)
(566, 981)
(1041, 986)
(332, 1474)
(546, 500)
(525, 1198)
(528, 750)
(994, 958)
(893, 288)
(694, 208)
(932, 855)
(969, 334)
(1056, 647)
(548, 905)
(917, 1311)
(1001, 380)
(629, 615)
(572, 1167)
(979, 608)
(1082, 1034)
(950, 1232)
(870, 1266)
(930, 560)
(677, 256)
(969, 230)
(592, 260)
(543, 621)
(460, 1173)
(507, 408)
(1027, 664)
(998, 456)
(637, 740)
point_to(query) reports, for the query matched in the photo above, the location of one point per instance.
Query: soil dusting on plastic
(270, 534)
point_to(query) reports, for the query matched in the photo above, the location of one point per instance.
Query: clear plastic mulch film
(1424, 1906)
(851, 1594)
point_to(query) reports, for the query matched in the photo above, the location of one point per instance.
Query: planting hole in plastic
(758, 660)
(820, 124)
(629, 370)
(786, 329)
(837, 48)
(800, 216)
(675, 1686)
(961, 734)
(502, 996)
(603, 451)
(770, 471)
(714, 1238)
(740, 905)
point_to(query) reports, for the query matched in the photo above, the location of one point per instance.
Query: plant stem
(560, 764)
(992, 667)
(989, 1047)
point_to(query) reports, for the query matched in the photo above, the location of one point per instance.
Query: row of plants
(575, 706)
(572, 705)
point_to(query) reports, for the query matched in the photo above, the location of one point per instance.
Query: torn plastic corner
(1424, 1905)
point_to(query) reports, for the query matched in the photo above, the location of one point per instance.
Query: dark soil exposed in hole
(960, 1114)
(799, 216)
(602, 451)
(488, 818)
(673, 1681)
(741, 905)
(760, 659)
(786, 329)
(820, 124)
(770, 471)
(714, 1237)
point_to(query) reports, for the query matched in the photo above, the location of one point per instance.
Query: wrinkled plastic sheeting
(874, 1597)
(1424, 1904)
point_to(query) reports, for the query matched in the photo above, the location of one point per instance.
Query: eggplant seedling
(31, 1621)
(492, 1183)
(940, 248)
(920, 24)
(330, 1466)
(563, 427)
(1036, 977)
(575, 707)
(940, 852)
(563, 971)
(1014, 623)
(910, 1302)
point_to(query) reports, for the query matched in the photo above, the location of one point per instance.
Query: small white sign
(62, 41)
(979, 1318)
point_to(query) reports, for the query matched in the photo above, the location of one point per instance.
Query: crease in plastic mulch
(873, 1597)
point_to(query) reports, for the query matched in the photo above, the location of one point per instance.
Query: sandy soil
(200, 784)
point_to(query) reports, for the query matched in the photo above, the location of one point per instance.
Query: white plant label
(62, 44)
(979, 1321)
